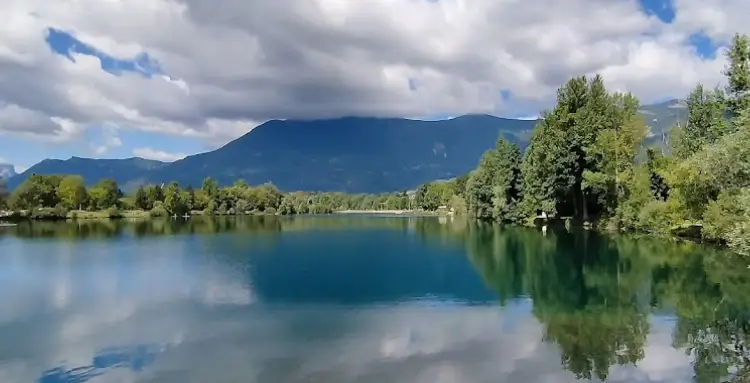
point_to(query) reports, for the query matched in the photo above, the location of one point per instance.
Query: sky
(162, 79)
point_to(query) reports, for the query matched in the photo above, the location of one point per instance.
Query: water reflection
(132, 358)
(594, 295)
(366, 299)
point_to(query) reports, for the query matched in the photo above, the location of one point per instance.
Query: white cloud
(159, 155)
(99, 150)
(231, 67)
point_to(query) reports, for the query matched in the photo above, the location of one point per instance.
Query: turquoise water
(363, 299)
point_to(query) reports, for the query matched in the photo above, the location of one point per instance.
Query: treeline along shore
(586, 161)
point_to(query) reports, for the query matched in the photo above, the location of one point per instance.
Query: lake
(363, 299)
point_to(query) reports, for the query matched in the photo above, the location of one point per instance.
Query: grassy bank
(390, 212)
(107, 214)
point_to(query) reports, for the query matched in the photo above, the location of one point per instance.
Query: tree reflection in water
(593, 294)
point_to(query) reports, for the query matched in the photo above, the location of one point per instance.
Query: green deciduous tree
(210, 187)
(105, 194)
(190, 197)
(173, 201)
(72, 192)
(37, 191)
(611, 155)
(154, 194)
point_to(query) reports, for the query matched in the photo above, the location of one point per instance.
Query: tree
(3, 194)
(546, 166)
(658, 184)
(154, 194)
(210, 187)
(494, 188)
(612, 153)
(141, 200)
(579, 149)
(738, 79)
(190, 198)
(72, 192)
(705, 123)
(36, 192)
(723, 166)
(105, 194)
(173, 200)
(557, 155)
(461, 184)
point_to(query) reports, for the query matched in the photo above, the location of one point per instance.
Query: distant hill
(352, 154)
(661, 118)
(7, 171)
(129, 172)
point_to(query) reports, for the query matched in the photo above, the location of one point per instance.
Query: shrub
(458, 204)
(727, 220)
(158, 211)
(113, 213)
(61, 212)
(48, 213)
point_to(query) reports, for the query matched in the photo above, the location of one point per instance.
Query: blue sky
(106, 141)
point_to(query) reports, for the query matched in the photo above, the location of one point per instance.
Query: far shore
(386, 212)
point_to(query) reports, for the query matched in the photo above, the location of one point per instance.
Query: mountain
(129, 172)
(7, 171)
(352, 154)
(661, 118)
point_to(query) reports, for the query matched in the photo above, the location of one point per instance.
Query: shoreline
(387, 212)
(82, 215)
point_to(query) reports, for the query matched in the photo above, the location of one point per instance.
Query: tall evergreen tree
(141, 200)
(738, 80)
(579, 148)
(3, 194)
(494, 188)
(706, 121)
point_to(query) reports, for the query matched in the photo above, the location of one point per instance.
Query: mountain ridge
(350, 154)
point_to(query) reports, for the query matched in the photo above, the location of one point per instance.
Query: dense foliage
(586, 162)
(54, 196)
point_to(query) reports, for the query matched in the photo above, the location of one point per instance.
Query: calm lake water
(363, 299)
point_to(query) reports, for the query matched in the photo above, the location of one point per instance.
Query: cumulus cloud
(214, 72)
(159, 155)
